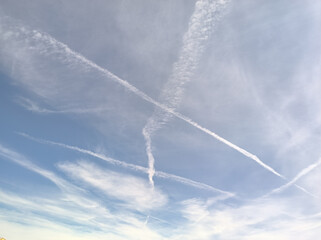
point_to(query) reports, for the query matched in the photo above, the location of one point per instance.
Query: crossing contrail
(201, 24)
(48, 45)
(134, 167)
(301, 174)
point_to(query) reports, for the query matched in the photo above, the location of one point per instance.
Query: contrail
(301, 174)
(72, 193)
(150, 156)
(63, 52)
(134, 167)
(201, 24)
(33, 107)
(24, 162)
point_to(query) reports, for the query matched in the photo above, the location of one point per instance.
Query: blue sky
(160, 120)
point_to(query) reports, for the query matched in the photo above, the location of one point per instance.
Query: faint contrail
(33, 107)
(24, 162)
(49, 45)
(201, 24)
(72, 193)
(134, 167)
(301, 174)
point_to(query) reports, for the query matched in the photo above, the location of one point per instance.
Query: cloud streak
(261, 219)
(72, 194)
(301, 174)
(57, 212)
(24, 162)
(74, 204)
(134, 167)
(47, 45)
(134, 191)
(34, 107)
(201, 23)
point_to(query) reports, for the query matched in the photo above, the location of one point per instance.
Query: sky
(176, 120)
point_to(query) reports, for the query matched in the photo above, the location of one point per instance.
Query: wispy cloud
(26, 163)
(134, 191)
(47, 45)
(57, 214)
(72, 208)
(134, 167)
(82, 224)
(71, 193)
(57, 207)
(99, 197)
(201, 23)
(260, 219)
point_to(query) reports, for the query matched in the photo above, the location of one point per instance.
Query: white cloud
(56, 207)
(262, 219)
(40, 229)
(256, 94)
(134, 191)
(74, 210)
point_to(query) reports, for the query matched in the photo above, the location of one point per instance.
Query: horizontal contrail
(134, 167)
(301, 174)
(61, 50)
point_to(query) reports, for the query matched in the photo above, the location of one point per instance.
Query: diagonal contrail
(134, 167)
(49, 45)
(201, 24)
(301, 174)
(24, 162)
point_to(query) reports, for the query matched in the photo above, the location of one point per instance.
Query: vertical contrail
(47, 45)
(201, 24)
(150, 156)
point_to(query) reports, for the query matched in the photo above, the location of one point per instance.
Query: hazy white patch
(73, 206)
(132, 190)
(57, 208)
(264, 219)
